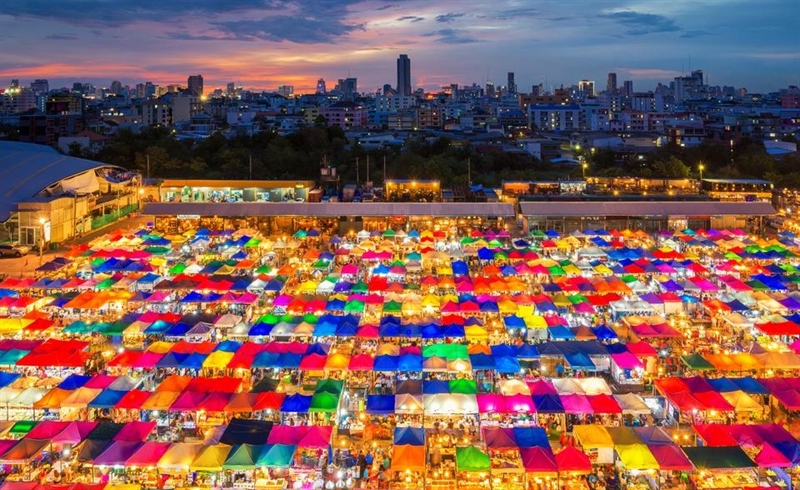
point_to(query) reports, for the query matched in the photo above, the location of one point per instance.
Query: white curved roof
(26, 169)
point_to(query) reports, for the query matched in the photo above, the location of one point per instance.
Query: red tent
(133, 399)
(670, 457)
(571, 460)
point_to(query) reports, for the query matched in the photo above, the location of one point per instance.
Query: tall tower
(512, 85)
(321, 86)
(611, 84)
(404, 75)
(195, 84)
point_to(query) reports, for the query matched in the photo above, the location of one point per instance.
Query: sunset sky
(261, 44)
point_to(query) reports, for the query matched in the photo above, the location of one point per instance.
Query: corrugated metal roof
(445, 209)
(26, 169)
(645, 208)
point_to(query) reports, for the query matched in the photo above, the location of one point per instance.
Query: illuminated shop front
(329, 218)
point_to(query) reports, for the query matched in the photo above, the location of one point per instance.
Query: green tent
(697, 362)
(321, 264)
(333, 386)
(393, 307)
(495, 243)
(463, 386)
(414, 256)
(577, 299)
(309, 318)
(269, 319)
(243, 457)
(264, 269)
(354, 306)
(466, 241)
(757, 285)
(711, 458)
(451, 352)
(301, 234)
(105, 284)
(177, 269)
(360, 287)
(78, 326)
(324, 402)
(115, 329)
(158, 250)
(472, 459)
(389, 233)
(276, 455)
(23, 427)
(538, 233)
(556, 270)
(252, 243)
(11, 356)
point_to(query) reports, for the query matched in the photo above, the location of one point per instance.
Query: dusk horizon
(260, 44)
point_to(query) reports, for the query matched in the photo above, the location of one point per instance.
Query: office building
(321, 87)
(195, 84)
(611, 84)
(512, 84)
(586, 87)
(404, 75)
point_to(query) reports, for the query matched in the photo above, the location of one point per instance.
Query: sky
(261, 44)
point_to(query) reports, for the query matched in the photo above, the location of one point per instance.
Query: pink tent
(46, 430)
(188, 401)
(538, 460)
(670, 457)
(626, 360)
(769, 457)
(604, 404)
(148, 454)
(351, 269)
(147, 360)
(100, 381)
(518, 403)
(318, 437)
(576, 404)
(285, 434)
(74, 433)
(491, 403)
(135, 431)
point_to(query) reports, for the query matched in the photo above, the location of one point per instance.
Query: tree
(671, 168)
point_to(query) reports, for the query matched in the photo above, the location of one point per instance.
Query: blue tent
(501, 350)
(751, 386)
(172, 360)
(335, 305)
(8, 378)
(560, 332)
(261, 329)
(481, 361)
(346, 329)
(324, 329)
(453, 331)
(485, 254)
(507, 365)
(409, 363)
(527, 351)
(74, 381)
(531, 437)
(513, 321)
(194, 361)
(548, 404)
(287, 360)
(385, 363)
(414, 436)
(228, 346)
(107, 399)
(432, 331)
(460, 267)
(380, 404)
(296, 403)
(604, 332)
(158, 327)
(435, 387)
(580, 362)
(266, 360)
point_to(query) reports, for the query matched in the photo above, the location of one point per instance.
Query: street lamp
(41, 238)
(701, 167)
(584, 167)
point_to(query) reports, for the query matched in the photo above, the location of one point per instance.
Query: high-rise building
(490, 89)
(286, 90)
(611, 84)
(512, 84)
(321, 87)
(586, 87)
(195, 85)
(116, 87)
(627, 88)
(348, 86)
(40, 86)
(404, 75)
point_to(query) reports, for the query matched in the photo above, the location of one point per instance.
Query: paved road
(26, 266)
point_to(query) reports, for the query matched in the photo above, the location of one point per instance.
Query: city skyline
(744, 44)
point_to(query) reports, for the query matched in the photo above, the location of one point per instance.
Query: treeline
(158, 153)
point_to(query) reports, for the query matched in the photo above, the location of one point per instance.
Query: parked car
(13, 250)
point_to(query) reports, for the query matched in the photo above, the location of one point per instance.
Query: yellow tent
(636, 457)
(337, 362)
(430, 300)
(179, 457)
(210, 458)
(10, 326)
(592, 436)
(508, 306)
(388, 350)
(53, 398)
(308, 287)
(160, 347)
(218, 360)
(742, 402)
(475, 332)
(535, 321)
